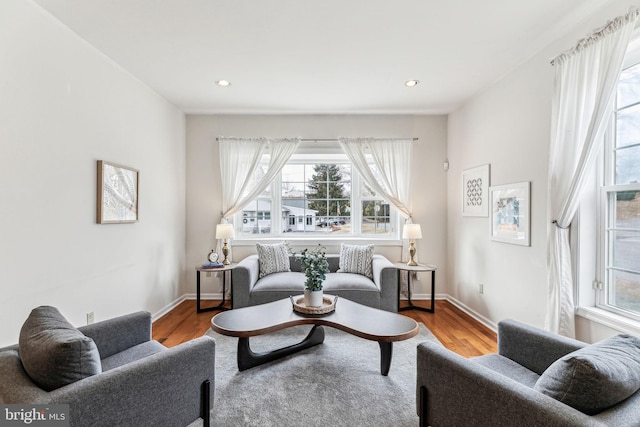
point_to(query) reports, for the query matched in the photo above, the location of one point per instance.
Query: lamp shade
(412, 231)
(225, 231)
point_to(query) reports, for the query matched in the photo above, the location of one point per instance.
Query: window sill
(609, 319)
(318, 240)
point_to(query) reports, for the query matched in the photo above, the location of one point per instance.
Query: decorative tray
(328, 305)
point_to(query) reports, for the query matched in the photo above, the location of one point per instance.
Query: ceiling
(322, 56)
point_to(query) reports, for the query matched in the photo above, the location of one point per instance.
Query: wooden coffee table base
(248, 359)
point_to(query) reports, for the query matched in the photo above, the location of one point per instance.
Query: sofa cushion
(595, 377)
(53, 352)
(273, 258)
(356, 259)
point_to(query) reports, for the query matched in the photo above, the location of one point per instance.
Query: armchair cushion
(273, 258)
(595, 377)
(356, 259)
(53, 352)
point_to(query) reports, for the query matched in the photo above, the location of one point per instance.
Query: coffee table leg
(248, 359)
(386, 351)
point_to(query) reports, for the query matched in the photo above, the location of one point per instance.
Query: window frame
(308, 154)
(607, 189)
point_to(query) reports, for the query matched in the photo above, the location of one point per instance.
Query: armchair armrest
(531, 347)
(162, 389)
(385, 276)
(120, 333)
(243, 277)
(458, 391)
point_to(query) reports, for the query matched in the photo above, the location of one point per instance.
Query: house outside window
(318, 196)
(620, 202)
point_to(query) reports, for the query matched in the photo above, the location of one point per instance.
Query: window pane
(627, 210)
(629, 86)
(375, 217)
(628, 165)
(256, 217)
(628, 126)
(625, 251)
(624, 290)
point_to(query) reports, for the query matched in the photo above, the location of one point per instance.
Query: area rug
(336, 383)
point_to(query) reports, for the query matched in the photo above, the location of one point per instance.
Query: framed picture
(475, 191)
(510, 213)
(117, 193)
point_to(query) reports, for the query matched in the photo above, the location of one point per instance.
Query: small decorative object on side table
(402, 266)
(217, 267)
(412, 232)
(225, 232)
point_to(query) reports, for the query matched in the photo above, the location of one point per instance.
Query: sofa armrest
(458, 391)
(385, 276)
(531, 347)
(243, 277)
(162, 389)
(120, 333)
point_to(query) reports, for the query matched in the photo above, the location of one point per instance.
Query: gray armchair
(142, 383)
(498, 389)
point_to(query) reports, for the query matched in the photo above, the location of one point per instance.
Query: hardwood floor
(456, 330)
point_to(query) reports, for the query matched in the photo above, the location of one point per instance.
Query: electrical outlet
(89, 318)
(481, 288)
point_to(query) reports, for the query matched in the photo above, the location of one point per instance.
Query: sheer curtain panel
(385, 165)
(240, 158)
(585, 84)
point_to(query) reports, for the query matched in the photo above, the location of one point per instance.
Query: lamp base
(225, 252)
(412, 253)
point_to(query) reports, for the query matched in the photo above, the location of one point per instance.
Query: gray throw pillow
(595, 377)
(273, 258)
(53, 352)
(356, 259)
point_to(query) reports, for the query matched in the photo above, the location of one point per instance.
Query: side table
(420, 268)
(224, 271)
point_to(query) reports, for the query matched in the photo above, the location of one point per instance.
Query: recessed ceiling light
(223, 82)
(411, 83)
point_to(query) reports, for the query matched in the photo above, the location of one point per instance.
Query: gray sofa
(381, 292)
(142, 382)
(498, 389)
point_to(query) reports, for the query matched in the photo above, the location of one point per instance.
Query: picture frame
(117, 195)
(475, 191)
(511, 213)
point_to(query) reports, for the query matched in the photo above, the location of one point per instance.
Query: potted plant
(315, 268)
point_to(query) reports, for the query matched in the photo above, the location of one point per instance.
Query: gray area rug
(336, 383)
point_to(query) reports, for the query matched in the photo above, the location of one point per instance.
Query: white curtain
(386, 166)
(240, 159)
(585, 83)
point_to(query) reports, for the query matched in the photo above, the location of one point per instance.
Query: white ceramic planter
(313, 298)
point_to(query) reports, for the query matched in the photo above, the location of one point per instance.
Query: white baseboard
(415, 297)
(477, 316)
(174, 304)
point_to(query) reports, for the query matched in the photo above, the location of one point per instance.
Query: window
(319, 195)
(620, 200)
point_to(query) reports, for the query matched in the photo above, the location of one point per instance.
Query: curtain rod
(334, 139)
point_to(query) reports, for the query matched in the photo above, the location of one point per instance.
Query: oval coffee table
(365, 322)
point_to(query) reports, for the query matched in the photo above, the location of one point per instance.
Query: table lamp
(224, 232)
(412, 232)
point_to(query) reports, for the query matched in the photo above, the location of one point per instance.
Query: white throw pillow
(273, 258)
(356, 259)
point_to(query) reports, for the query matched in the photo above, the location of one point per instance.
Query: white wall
(63, 106)
(508, 126)
(203, 177)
